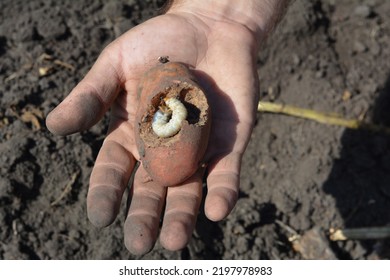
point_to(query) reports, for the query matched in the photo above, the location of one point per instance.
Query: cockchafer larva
(167, 121)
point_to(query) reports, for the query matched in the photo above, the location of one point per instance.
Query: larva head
(164, 108)
(169, 123)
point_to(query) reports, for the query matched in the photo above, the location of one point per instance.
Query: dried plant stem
(359, 233)
(325, 118)
(67, 189)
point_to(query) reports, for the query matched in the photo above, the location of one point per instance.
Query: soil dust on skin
(297, 175)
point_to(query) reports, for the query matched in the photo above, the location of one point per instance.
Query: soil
(298, 176)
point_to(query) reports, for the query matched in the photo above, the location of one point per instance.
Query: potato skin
(170, 161)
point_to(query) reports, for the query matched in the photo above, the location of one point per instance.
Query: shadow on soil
(360, 179)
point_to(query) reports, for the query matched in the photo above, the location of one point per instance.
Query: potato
(172, 123)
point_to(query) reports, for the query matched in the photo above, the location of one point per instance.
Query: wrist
(258, 16)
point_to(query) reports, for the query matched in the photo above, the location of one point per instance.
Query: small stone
(242, 244)
(289, 69)
(375, 48)
(5, 188)
(363, 11)
(51, 27)
(313, 245)
(114, 9)
(359, 47)
(238, 229)
(320, 74)
(296, 60)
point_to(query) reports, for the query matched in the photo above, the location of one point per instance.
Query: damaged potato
(172, 123)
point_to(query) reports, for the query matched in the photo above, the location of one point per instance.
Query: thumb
(91, 98)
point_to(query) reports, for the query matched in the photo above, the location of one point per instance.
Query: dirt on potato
(298, 176)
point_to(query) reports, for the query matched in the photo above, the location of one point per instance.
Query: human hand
(222, 53)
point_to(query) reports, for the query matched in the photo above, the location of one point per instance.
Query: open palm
(222, 56)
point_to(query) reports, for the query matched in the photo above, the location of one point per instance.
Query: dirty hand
(222, 52)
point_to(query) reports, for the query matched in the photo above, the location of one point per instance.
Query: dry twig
(359, 233)
(67, 188)
(326, 118)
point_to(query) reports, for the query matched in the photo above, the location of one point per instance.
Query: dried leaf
(32, 115)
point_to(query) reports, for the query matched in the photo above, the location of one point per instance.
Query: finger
(108, 181)
(181, 212)
(143, 219)
(227, 143)
(91, 98)
(222, 186)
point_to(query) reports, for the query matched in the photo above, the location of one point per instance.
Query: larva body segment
(172, 123)
(168, 123)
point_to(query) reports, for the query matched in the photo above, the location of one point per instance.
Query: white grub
(167, 121)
